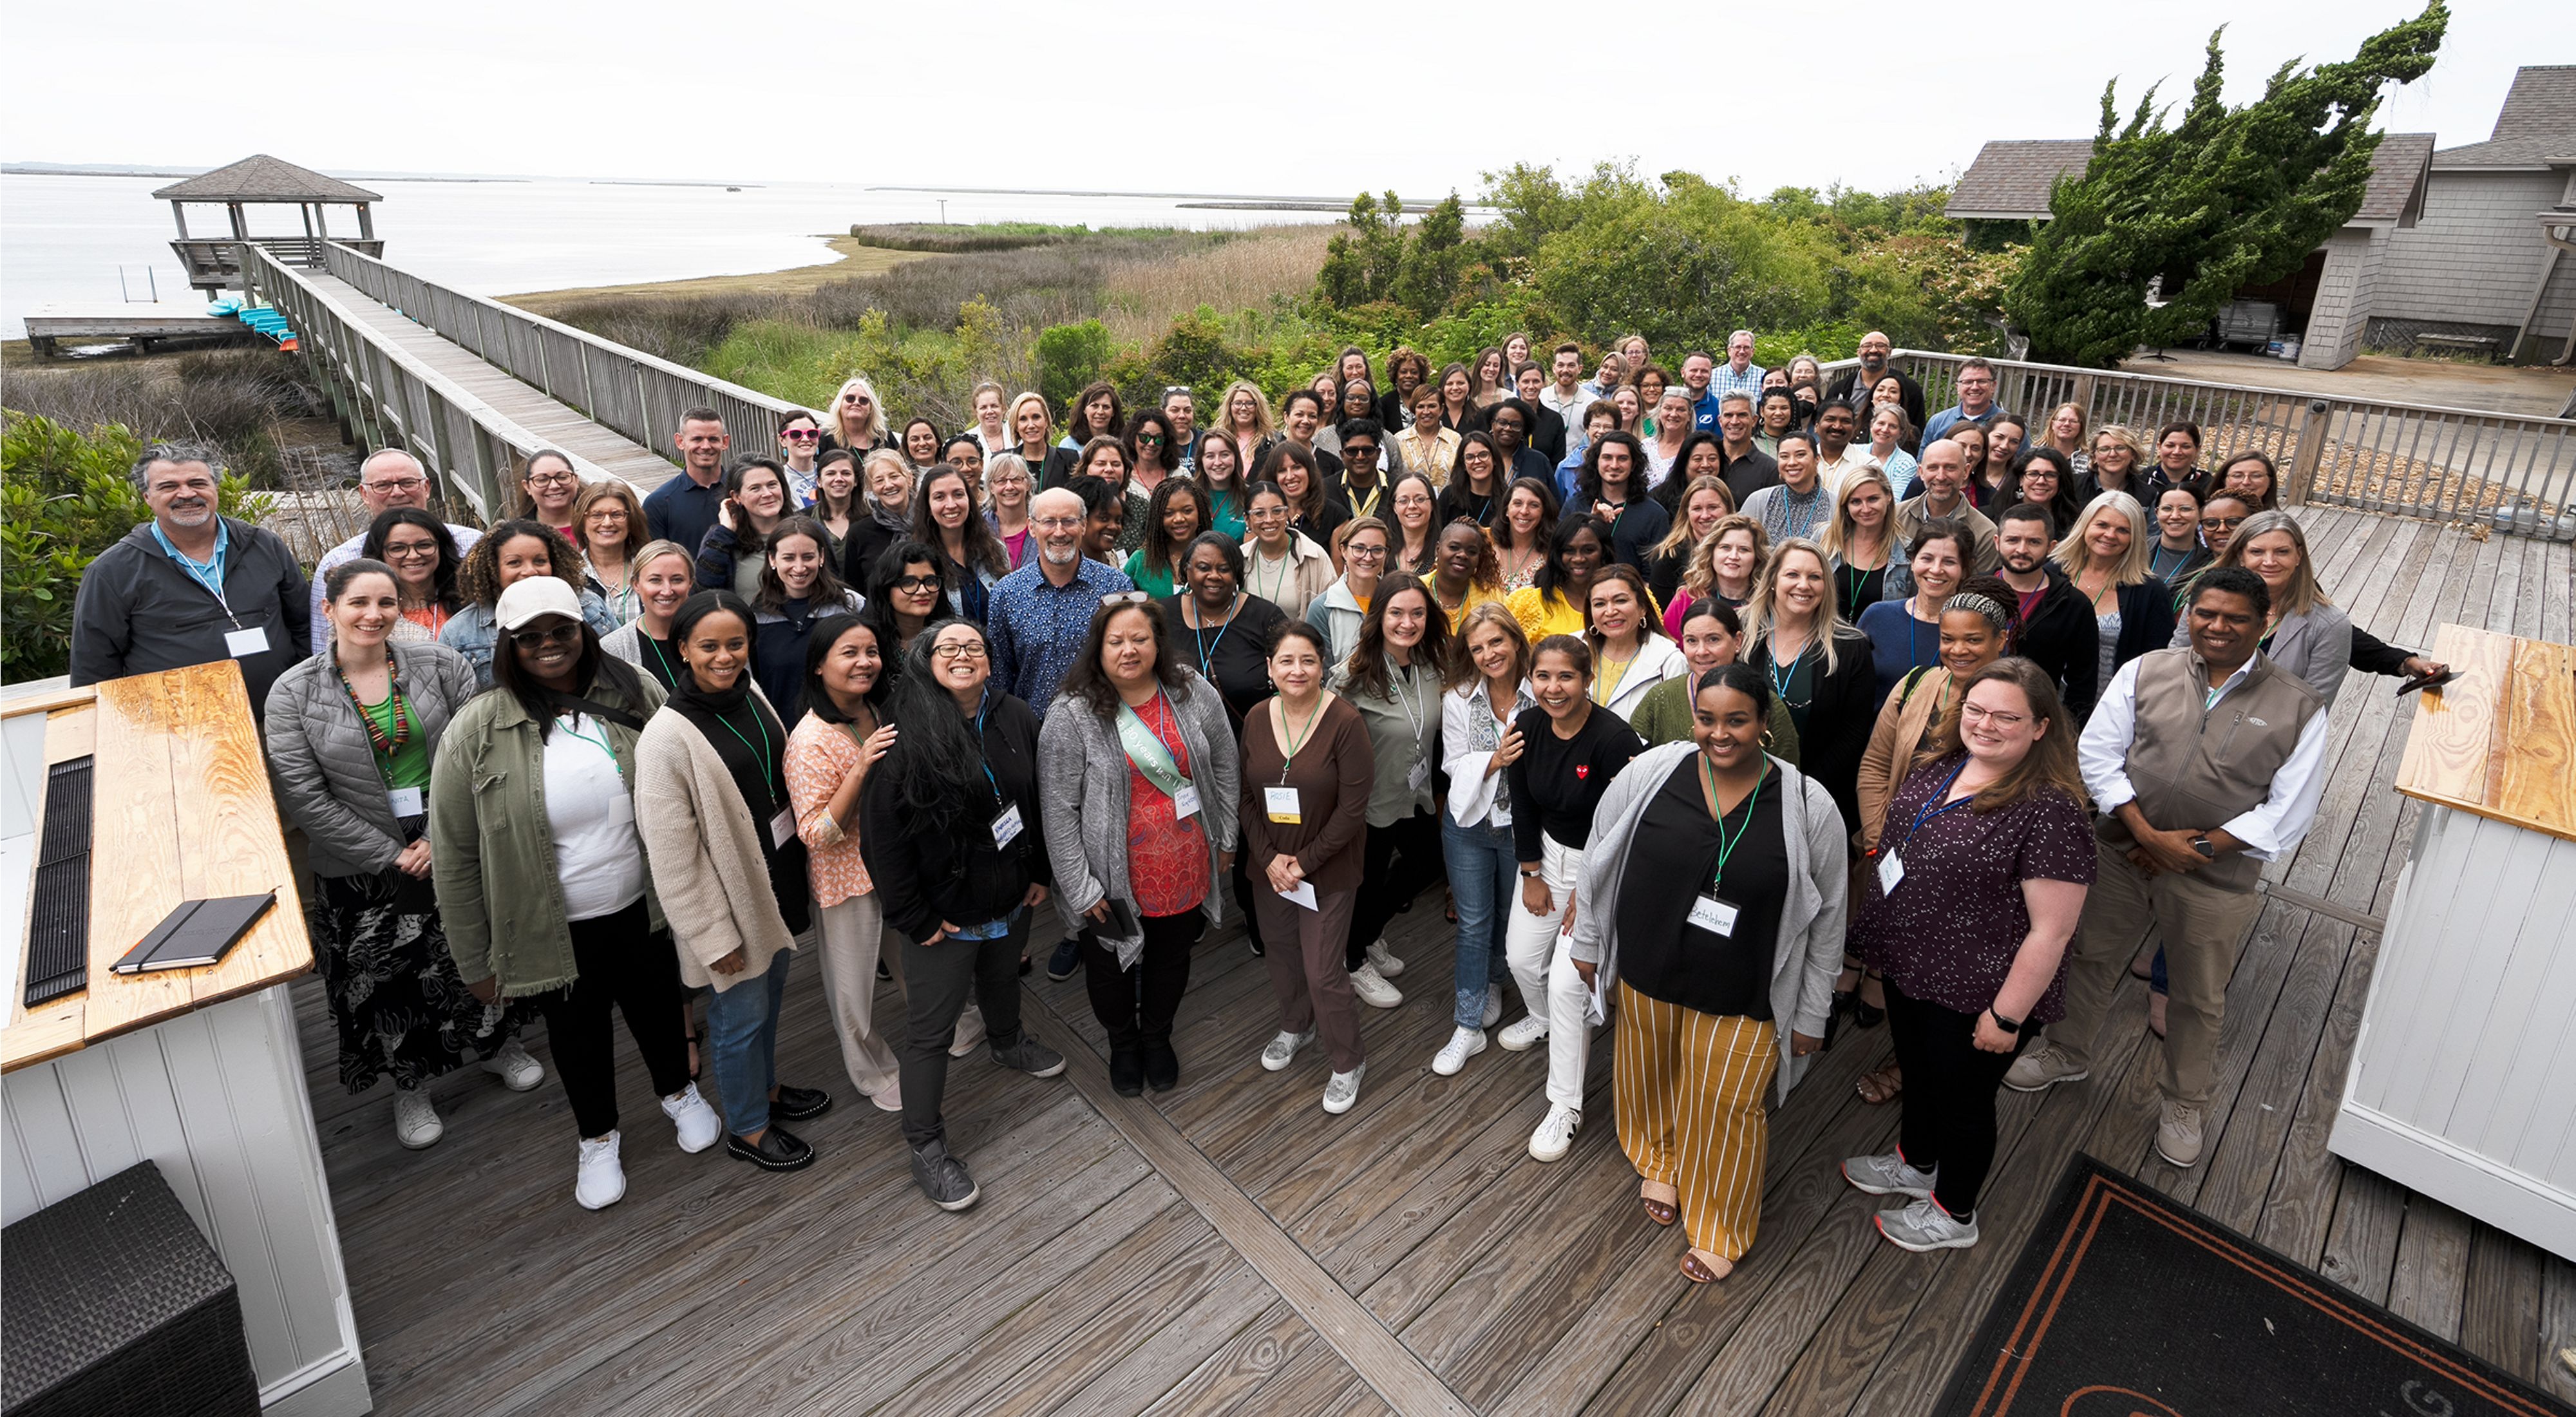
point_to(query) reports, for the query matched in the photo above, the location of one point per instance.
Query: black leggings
(1949, 1096)
(1401, 861)
(937, 980)
(1136, 1006)
(622, 961)
(1243, 894)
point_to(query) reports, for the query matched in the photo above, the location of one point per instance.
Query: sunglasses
(2222, 523)
(565, 634)
(1127, 597)
(803, 435)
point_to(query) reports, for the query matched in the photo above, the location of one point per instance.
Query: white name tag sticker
(1281, 803)
(1185, 802)
(406, 801)
(1006, 827)
(1421, 774)
(254, 640)
(1713, 915)
(782, 826)
(1891, 870)
(621, 810)
(1304, 895)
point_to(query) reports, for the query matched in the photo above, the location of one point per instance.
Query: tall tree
(2226, 198)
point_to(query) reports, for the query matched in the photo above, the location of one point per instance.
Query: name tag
(1006, 827)
(1421, 774)
(621, 810)
(1281, 802)
(782, 826)
(1890, 871)
(405, 801)
(239, 643)
(1714, 915)
(1304, 895)
(1185, 802)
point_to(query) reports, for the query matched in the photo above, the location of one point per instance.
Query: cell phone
(2428, 681)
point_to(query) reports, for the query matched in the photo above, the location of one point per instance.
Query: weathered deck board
(1090, 1278)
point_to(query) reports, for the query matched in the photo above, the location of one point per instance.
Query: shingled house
(2448, 250)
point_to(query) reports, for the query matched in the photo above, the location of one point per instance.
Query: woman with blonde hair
(1725, 565)
(2306, 634)
(609, 520)
(1817, 664)
(858, 419)
(2115, 461)
(2105, 555)
(1244, 416)
(1702, 505)
(1032, 433)
(1861, 538)
(2065, 432)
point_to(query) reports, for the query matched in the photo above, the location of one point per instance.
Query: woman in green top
(1712, 634)
(1174, 517)
(351, 735)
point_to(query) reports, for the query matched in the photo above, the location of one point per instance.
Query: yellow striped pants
(1689, 1088)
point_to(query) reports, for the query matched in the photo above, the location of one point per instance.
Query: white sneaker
(1464, 1043)
(1280, 1051)
(1493, 1004)
(1555, 1133)
(602, 1182)
(1372, 987)
(1342, 1092)
(696, 1120)
(1526, 1032)
(516, 1070)
(1386, 963)
(416, 1123)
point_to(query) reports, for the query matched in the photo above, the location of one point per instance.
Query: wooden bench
(2469, 344)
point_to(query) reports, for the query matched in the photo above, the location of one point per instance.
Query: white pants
(853, 933)
(1543, 969)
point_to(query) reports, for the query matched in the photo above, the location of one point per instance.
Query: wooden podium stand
(2459, 1086)
(199, 1070)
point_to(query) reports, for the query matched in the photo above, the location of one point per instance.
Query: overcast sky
(1162, 95)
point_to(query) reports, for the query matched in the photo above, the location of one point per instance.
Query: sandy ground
(855, 260)
(2495, 388)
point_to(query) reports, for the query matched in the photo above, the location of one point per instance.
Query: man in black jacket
(2053, 627)
(1855, 387)
(190, 586)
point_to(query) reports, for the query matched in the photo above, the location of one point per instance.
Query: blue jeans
(742, 1036)
(1484, 868)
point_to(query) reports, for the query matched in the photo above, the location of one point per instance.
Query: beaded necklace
(385, 747)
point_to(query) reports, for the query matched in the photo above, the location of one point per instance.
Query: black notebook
(198, 932)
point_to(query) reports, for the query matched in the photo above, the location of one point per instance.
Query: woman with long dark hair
(944, 517)
(423, 556)
(1558, 599)
(836, 498)
(1313, 510)
(906, 595)
(352, 736)
(1220, 473)
(1394, 675)
(1488, 690)
(534, 823)
(797, 588)
(736, 548)
(1139, 795)
(1176, 515)
(509, 553)
(1523, 531)
(1476, 484)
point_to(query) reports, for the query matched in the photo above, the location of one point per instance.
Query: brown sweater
(1333, 773)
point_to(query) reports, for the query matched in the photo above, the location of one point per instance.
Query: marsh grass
(237, 400)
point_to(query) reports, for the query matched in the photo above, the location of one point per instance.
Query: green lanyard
(768, 774)
(601, 742)
(1725, 847)
(659, 657)
(1295, 740)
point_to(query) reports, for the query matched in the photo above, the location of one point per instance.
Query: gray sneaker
(2178, 1132)
(1923, 1226)
(1281, 1050)
(1031, 1057)
(1342, 1090)
(1886, 1175)
(943, 1177)
(2042, 1068)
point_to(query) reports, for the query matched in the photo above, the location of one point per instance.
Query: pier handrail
(472, 448)
(620, 389)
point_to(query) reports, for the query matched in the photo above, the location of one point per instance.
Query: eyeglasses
(411, 550)
(552, 479)
(2221, 523)
(1974, 714)
(562, 634)
(397, 484)
(971, 649)
(1126, 597)
(917, 583)
(1057, 523)
(1358, 552)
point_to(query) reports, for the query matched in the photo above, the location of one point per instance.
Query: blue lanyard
(1780, 682)
(984, 711)
(1927, 811)
(1207, 652)
(208, 573)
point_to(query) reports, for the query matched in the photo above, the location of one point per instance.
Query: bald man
(389, 478)
(1944, 475)
(1858, 386)
(1039, 614)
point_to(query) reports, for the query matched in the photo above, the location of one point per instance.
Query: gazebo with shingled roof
(213, 264)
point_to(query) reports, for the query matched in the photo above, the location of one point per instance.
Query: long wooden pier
(1227, 1247)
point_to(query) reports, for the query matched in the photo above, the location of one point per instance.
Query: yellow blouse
(1542, 618)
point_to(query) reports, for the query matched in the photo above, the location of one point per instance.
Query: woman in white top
(1489, 688)
(1630, 653)
(1282, 565)
(1672, 429)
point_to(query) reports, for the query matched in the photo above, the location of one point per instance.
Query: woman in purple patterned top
(1967, 904)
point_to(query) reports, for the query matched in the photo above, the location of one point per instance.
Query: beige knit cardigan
(704, 852)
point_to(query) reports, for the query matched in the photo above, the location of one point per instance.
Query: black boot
(1162, 1065)
(1126, 1072)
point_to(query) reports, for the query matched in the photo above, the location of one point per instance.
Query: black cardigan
(2060, 636)
(960, 876)
(1839, 720)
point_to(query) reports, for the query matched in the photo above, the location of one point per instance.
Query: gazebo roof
(261, 178)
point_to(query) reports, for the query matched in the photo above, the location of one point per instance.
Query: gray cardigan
(1082, 802)
(1810, 948)
(324, 767)
(2314, 645)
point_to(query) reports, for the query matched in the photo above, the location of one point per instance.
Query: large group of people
(1729, 710)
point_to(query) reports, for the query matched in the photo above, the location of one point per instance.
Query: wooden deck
(1229, 1247)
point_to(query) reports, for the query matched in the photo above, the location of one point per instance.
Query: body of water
(67, 239)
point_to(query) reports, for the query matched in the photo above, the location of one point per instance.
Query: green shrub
(1070, 356)
(64, 498)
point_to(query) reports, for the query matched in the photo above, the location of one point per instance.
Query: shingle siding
(2344, 298)
(2476, 254)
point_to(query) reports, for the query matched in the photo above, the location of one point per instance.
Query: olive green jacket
(492, 858)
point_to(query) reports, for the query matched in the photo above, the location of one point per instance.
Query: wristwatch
(2208, 849)
(1529, 875)
(2008, 1025)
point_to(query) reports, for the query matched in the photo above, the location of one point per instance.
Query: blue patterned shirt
(1038, 627)
(1726, 381)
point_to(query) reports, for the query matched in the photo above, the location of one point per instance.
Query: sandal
(1865, 1013)
(1700, 1271)
(1880, 1085)
(1658, 1209)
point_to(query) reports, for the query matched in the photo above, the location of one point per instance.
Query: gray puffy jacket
(324, 768)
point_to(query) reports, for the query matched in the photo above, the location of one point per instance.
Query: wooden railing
(2510, 472)
(211, 260)
(395, 401)
(631, 393)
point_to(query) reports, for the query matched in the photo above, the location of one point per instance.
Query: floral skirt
(400, 1007)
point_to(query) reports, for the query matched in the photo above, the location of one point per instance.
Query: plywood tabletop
(2500, 740)
(181, 810)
